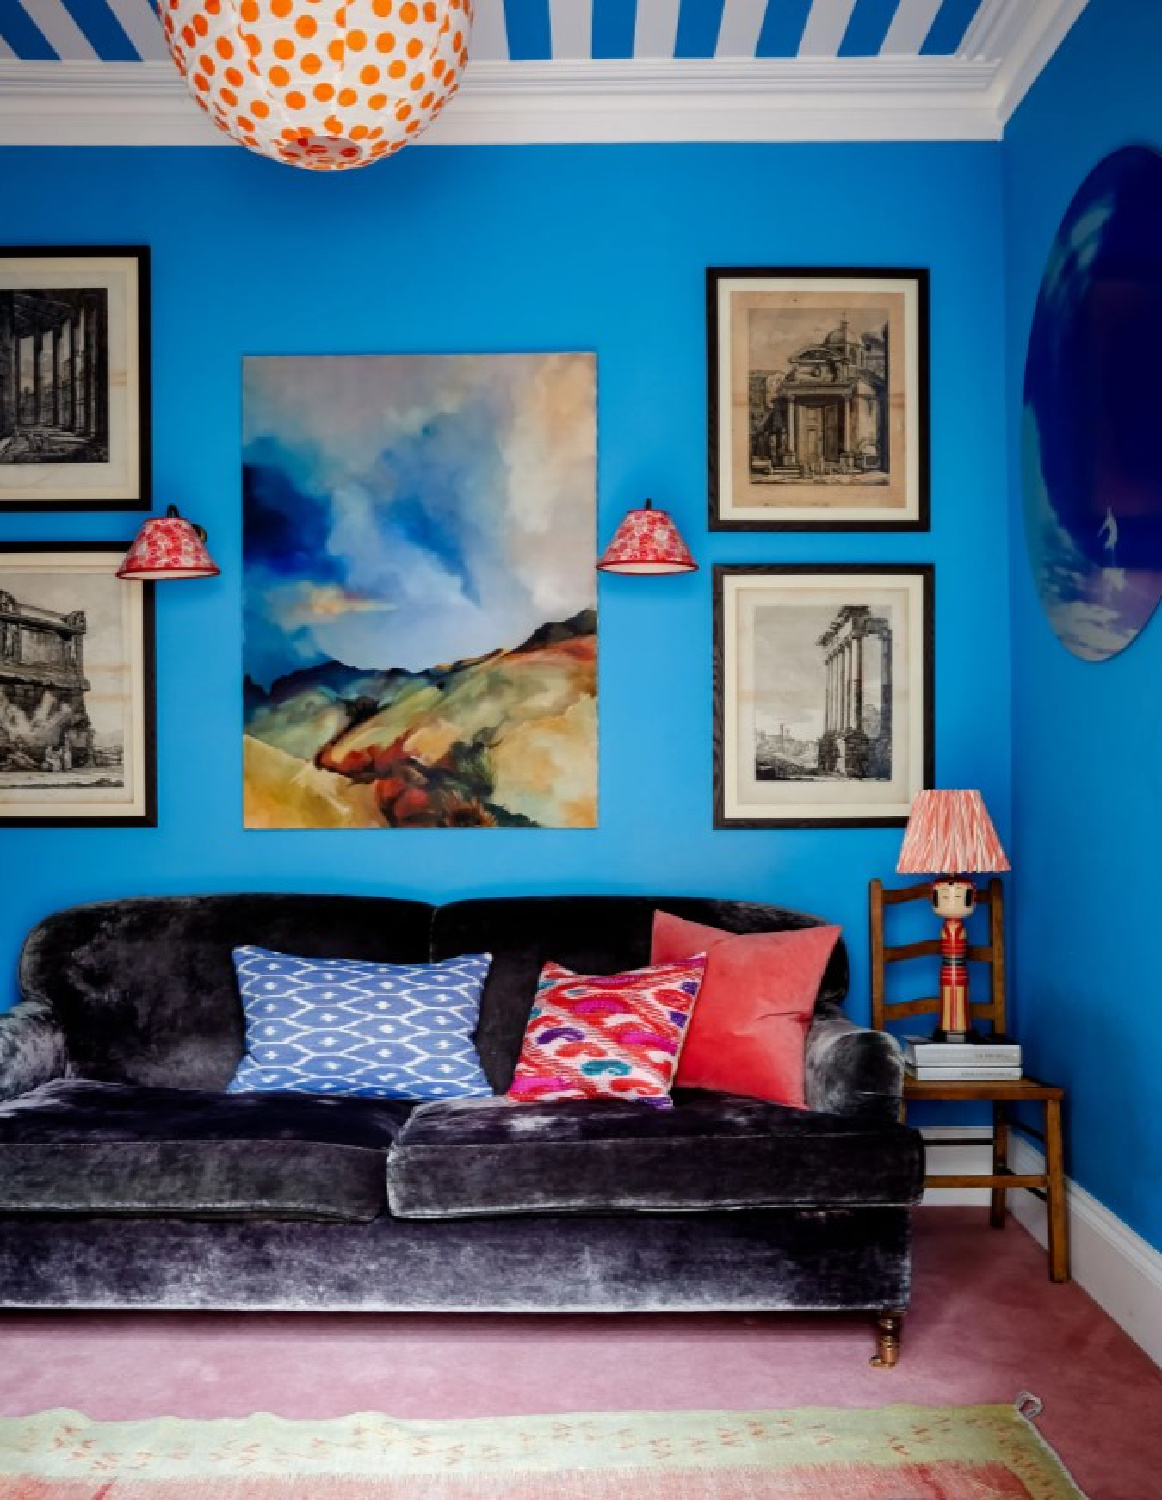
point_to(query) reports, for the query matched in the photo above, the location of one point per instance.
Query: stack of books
(992, 1059)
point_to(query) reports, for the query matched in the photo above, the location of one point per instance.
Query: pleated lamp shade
(168, 547)
(950, 833)
(320, 84)
(647, 541)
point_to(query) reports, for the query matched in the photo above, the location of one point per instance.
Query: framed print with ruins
(823, 694)
(74, 378)
(77, 739)
(818, 399)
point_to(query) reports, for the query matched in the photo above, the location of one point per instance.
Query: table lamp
(950, 834)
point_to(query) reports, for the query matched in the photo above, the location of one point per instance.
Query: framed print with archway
(818, 399)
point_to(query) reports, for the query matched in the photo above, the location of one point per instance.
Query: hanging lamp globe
(318, 83)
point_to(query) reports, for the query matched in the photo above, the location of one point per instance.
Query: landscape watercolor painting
(420, 627)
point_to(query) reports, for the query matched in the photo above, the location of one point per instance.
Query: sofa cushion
(371, 1031)
(458, 1158)
(76, 1146)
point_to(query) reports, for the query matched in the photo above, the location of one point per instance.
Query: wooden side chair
(988, 1015)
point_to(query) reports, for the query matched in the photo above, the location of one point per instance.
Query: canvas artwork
(420, 591)
(818, 415)
(1092, 484)
(823, 696)
(74, 387)
(76, 688)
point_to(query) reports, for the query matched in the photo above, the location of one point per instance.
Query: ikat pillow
(607, 1036)
(372, 1031)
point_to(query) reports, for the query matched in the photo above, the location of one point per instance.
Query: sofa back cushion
(144, 989)
(591, 935)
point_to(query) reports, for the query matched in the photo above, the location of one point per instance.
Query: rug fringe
(1029, 1407)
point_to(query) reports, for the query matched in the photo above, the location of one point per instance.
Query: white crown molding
(504, 103)
(1018, 39)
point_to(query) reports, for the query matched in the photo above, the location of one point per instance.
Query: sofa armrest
(851, 1070)
(32, 1048)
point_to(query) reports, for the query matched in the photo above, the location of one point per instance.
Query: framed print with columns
(74, 378)
(823, 694)
(818, 399)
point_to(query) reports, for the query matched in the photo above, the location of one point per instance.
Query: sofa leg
(888, 1326)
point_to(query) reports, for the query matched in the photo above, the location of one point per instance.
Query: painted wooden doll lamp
(951, 835)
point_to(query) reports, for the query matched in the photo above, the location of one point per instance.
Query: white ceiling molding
(786, 99)
(966, 97)
(1023, 37)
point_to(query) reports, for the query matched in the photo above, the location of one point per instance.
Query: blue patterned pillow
(375, 1031)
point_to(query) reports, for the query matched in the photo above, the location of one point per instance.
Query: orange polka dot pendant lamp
(318, 83)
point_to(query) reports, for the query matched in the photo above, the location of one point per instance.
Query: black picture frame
(75, 407)
(823, 455)
(756, 784)
(49, 662)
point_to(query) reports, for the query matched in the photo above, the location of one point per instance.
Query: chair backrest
(989, 906)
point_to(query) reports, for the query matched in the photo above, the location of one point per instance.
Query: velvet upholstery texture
(850, 1070)
(32, 1048)
(144, 990)
(761, 1260)
(590, 935)
(78, 1147)
(491, 1156)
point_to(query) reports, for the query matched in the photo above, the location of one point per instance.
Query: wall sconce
(168, 547)
(647, 541)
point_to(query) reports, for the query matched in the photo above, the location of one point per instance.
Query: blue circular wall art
(1091, 435)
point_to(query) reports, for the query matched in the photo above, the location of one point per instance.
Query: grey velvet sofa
(129, 1179)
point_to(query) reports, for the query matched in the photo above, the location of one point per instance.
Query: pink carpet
(985, 1323)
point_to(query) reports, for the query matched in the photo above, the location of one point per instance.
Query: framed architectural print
(74, 378)
(77, 744)
(818, 399)
(823, 694)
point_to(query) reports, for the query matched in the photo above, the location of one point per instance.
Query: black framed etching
(818, 399)
(77, 737)
(74, 378)
(823, 694)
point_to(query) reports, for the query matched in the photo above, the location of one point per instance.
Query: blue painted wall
(531, 249)
(1087, 737)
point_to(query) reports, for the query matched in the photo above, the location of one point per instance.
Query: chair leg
(888, 1328)
(1055, 1171)
(1000, 1162)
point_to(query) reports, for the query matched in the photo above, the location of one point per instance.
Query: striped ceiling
(544, 30)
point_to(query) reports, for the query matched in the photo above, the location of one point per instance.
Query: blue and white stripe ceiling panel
(544, 30)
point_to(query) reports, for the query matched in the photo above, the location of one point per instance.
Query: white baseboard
(1119, 1270)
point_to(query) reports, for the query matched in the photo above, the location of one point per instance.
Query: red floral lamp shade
(647, 541)
(168, 547)
(950, 833)
(321, 86)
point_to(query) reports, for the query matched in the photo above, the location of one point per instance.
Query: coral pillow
(749, 1031)
(607, 1036)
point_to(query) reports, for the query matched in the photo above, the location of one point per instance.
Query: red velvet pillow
(748, 1031)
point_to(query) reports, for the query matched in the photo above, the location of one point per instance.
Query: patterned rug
(815, 1453)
